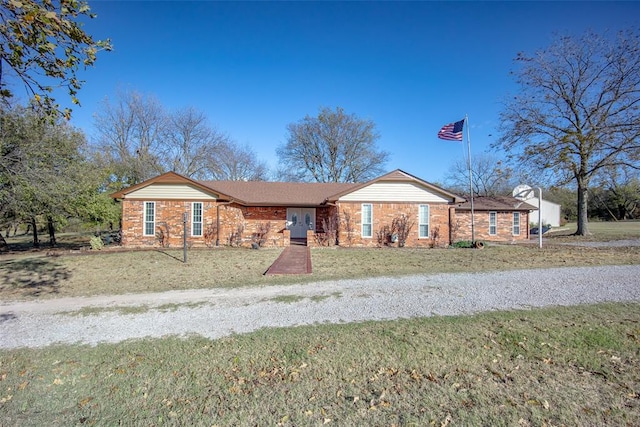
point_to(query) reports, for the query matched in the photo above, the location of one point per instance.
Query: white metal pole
(473, 232)
(539, 217)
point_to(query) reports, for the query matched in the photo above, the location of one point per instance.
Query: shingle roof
(277, 193)
(266, 193)
(496, 203)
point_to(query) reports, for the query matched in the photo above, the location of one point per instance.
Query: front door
(299, 220)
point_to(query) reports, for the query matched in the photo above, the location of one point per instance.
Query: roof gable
(391, 180)
(168, 178)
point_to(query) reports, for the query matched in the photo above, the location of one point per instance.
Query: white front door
(299, 220)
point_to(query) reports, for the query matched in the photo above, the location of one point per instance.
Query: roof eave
(168, 178)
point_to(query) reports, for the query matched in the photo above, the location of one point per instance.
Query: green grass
(40, 277)
(558, 366)
(600, 231)
(131, 309)
(287, 299)
(92, 311)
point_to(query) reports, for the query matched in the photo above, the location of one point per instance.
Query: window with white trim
(423, 221)
(196, 219)
(493, 220)
(367, 220)
(516, 223)
(149, 219)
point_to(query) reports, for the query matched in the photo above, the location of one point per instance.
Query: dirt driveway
(220, 312)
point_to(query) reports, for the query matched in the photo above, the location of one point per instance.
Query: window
(423, 221)
(196, 219)
(516, 223)
(149, 218)
(367, 220)
(492, 223)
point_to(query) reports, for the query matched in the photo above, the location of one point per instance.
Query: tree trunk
(583, 221)
(52, 231)
(36, 242)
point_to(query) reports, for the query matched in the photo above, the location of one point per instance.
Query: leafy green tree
(625, 199)
(18, 170)
(332, 147)
(42, 45)
(577, 111)
(44, 176)
(617, 196)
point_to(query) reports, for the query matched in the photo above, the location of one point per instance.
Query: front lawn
(558, 366)
(28, 276)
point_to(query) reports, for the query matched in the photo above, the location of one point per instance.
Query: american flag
(452, 131)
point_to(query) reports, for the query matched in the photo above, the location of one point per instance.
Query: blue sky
(255, 67)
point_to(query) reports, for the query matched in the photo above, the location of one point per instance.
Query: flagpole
(473, 233)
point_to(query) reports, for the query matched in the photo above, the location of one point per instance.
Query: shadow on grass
(24, 243)
(181, 260)
(32, 277)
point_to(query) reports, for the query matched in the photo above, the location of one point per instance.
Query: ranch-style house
(396, 209)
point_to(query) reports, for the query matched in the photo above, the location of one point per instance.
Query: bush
(463, 244)
(96, 243)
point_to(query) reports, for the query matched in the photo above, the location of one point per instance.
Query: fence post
(184, 236)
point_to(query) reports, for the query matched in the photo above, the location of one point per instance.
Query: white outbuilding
(550, 211)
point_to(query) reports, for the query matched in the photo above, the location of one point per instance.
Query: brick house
(263, 213)
(498, 219)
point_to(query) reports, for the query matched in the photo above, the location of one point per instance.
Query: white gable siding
(393, 192)
(169, 192)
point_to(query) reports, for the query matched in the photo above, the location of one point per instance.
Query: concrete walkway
(295, 259)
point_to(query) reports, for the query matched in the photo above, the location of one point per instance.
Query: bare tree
(129, 136)
(491, 176)
(332, 147)
(190, 143)
(230, 161)
(401, 226)
(577, 111)
(138, 139)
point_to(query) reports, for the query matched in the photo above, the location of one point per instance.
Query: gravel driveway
(220, 312)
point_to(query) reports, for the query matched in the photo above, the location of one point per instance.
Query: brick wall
(319, 236)
(383, 215)
(504, 226)
(169, 223)
(250, 219)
